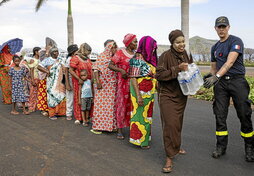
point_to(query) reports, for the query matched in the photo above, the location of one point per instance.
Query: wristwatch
(217, 75)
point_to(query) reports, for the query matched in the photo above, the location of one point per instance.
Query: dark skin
(96, 73)
(130, 49)
(72, 70)
(16, 61)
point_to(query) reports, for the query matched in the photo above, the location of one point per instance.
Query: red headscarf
(128, 38)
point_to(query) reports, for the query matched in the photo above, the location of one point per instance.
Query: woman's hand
(140, 101)
(99, 85)
(80, 81)
(68, 87)
(183, 66)
(124, 74)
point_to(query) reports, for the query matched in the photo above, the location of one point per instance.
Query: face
(222, 31)
(179, 44)
(83, 75)
(133, 45)
(113, 49)
(16, 62)
(87, 52)
(54, 54)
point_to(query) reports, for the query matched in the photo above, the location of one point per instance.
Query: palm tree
(69, 18)
(185, 21)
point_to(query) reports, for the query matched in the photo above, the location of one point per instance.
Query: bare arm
(79, 94)
(213, 69)
(139, 97)
(230, 61)
(66, 73)
(72, 72)
(42, 69)
(113, 67)
(97, 78)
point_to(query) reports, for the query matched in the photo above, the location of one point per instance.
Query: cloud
(115, 6)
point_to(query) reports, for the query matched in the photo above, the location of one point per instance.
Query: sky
(95, 21)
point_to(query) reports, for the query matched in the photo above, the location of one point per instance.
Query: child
(18, 74)
(85, 97)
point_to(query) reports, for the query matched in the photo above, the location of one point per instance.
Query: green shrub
(207, 94)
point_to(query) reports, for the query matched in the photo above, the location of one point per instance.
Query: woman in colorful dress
(172, 101)
(105, 91)
(5, 79)
(54, 68)
(120, 64)
(42, 103)
(142, 89)
(33, 64)
(79, 62)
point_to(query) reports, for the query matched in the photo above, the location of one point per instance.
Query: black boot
(218, 152)
(249, 153)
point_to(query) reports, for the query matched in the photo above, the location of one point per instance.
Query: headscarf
(128, 38)
(107, 53)
(6, 55)
(42, 54)
(53, 49)
(147, 47)
(84, 47)
(174, 34)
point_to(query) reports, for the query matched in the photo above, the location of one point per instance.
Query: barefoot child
(85, 97)
(18, 74)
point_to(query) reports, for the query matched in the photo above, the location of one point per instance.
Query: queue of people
(117, 91)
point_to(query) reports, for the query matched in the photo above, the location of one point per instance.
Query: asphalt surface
(35, 145)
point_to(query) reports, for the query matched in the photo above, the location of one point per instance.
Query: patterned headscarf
(53, 49)
(82, 50)
(128, 38)
(147, 47)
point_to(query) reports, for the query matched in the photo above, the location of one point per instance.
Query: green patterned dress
(141, 116)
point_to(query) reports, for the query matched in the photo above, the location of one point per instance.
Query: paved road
(249, 70)
(35, 145)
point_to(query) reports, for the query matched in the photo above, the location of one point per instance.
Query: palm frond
(3, 1)
(39, 4)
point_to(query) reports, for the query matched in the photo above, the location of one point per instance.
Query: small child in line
(85, 97)
(18, 74)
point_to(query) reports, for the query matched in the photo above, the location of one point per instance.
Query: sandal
(95, 131)
(145, 147)
(167, 169)
(120, 136)
(53, 118)
(14, 112)
(85, 124)
(182, 152)
(77, 122)
(44, 113)
(68, 118)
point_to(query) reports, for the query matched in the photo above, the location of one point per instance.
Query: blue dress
(18, 92)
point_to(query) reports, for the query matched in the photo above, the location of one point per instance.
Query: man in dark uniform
(228, 77)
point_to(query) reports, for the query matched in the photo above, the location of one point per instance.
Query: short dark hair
(15, 57)
(35, 49)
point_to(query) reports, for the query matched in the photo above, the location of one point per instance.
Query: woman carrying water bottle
(172, 101)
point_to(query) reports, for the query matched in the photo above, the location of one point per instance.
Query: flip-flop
(95, 131)
(120, 136)
(26, 113)
(182, 152)
(68, 118)
(145, 147)
(53, 118)
(167, 169)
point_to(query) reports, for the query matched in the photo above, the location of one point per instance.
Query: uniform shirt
(86, 91)
(221, 50)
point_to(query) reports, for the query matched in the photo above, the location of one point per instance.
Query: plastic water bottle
(192, 86)
(183, 83)
(198, 77)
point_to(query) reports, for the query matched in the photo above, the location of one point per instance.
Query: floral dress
(123, 109)
(141, 116)
(78, 64)
(17, 77)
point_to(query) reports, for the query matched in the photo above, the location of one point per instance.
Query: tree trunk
(185, 21)
(70, 25)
